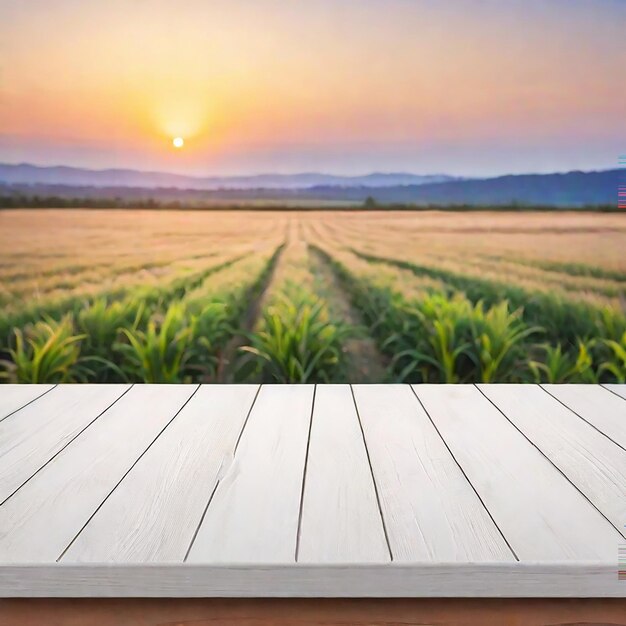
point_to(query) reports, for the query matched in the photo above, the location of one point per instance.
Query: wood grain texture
(542, 516)
(596, 405)
(393, 580)
(42, 518)
(14, 397)
(166, 493)
(253, 516)
(620, 390)
(431, 512)
(341, 521)
(33, 435)
(591, 461)
(313, 612)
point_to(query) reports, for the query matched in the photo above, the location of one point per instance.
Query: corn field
(283, 296)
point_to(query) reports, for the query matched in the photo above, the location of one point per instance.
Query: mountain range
(24, 173)
(573, 189)
(570, 189)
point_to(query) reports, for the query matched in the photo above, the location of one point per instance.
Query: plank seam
(469, 482)
(556, 467)
(369, 462)
(78, 434)
(218, 481)
(582, 418)
(603, 385)
(41, 395)
(245, 421)
(126, 474)
(306, 463)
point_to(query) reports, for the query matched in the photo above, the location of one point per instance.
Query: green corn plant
(440, 337)
(497, 332)
(297, 342)
(159, 353)
(615, 364)
(558, 366)
(613, 323)
(101, 322)
(211, 329)
(46, 352)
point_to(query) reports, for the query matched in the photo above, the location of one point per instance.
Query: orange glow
(238, 77)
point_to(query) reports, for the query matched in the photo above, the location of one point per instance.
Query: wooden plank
(341, 521)
(33, 435)
(155, 511)
(620, 390)
(43, 517)
(542, 516)
(14, 397)
(591, 461)
(393, 580)
(431, 512)
(137, 513)
(596, 405)
(253, 516)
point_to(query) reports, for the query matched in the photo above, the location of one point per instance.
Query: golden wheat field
(171, 296)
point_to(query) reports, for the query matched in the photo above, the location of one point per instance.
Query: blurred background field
(332, 296)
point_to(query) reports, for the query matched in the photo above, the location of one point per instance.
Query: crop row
(575, 281)
(16, 291)
(298, 337)
(562, 320)
(452, 328)
(56, 307)
(432, 324)
(174, 333)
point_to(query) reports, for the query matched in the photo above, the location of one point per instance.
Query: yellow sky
(110, 83)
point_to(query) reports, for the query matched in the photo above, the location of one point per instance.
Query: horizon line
(618, 165)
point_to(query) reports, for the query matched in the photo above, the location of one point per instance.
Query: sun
(178, 142)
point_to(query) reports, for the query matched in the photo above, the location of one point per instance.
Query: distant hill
(26, 174)
(572, 189)
(569, 189)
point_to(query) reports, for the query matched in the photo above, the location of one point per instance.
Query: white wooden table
(304, 491)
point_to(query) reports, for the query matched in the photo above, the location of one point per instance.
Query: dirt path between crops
(364, 362)
(228, 368)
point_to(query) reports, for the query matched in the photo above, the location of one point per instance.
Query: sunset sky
(343, 86)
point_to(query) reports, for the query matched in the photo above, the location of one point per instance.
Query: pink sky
(466, 87)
